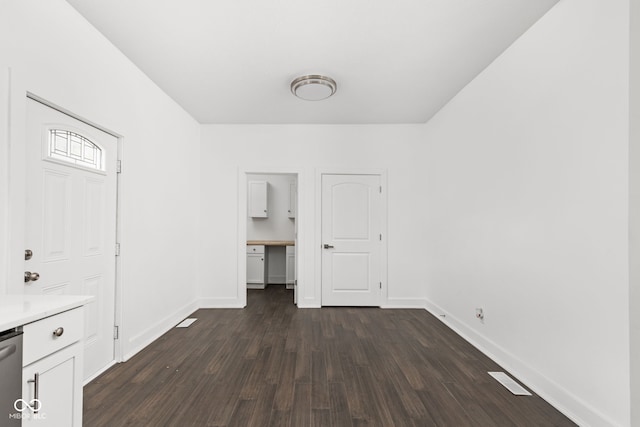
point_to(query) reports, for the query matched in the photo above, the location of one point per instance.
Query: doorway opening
(271, 236)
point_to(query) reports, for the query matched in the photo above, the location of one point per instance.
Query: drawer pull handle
(58, 332)
(36, 386)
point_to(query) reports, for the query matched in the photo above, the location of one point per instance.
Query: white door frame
(318, 225)
(15, 97)
(301, 219)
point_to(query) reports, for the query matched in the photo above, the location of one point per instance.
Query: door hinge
(380, 236)
(119, 166)
(380, 285)
(117, 249)
(381, 189)
(116, 332)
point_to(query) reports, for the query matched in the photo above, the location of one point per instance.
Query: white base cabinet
(59, 395)
(291, 267)
(256, 267)
(52, 371)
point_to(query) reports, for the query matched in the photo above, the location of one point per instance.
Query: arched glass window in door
(71, 147)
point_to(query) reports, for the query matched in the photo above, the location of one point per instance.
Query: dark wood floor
(272, 364)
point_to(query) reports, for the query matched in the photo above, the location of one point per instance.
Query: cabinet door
(59, 384)
(293, 199)
(257, 202)
(291, 265)
(255, 269)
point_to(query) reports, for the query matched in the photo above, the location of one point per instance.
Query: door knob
(328, 246)
(30, 277)
(28, 253)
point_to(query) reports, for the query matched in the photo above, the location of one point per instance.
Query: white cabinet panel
(291, 266)
(293, 199)
(256, 267)
(52, 373)
(257, 202)
(40, 339)
(59, 382)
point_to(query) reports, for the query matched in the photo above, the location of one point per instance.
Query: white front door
(351, 239)
(71, 220)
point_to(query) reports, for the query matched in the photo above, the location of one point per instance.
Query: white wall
(634, 213)
(55, 54)
(227, 150)
(4, 181)
(528, 198)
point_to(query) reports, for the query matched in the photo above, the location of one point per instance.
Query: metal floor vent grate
(186, 322)
(509, 383)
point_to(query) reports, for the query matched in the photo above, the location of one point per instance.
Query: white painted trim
(309, 306)
(570, 405)
(407, 303)
(138, 342)
(97, 374)
(382, 173)
(121, 240)
(69, 113)
(220, 303)
(276, 279)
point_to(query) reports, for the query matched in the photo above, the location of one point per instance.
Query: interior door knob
(326, 246)
(30, 277)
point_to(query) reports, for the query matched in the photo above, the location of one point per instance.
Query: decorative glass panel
(74, 148)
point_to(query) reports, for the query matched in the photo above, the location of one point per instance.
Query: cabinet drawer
(255, 249)
(40, 337)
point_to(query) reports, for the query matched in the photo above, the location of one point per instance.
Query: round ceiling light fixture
(313, 87)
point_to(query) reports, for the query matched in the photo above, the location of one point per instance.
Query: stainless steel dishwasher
(11, 377)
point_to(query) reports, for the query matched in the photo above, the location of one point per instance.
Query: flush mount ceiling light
(313, 87)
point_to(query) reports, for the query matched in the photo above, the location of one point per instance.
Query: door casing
(240, 299)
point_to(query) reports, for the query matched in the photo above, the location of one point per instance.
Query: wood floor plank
(272, 364)
(320, 418)
(340, 415)
(301, 410)
(264, 404)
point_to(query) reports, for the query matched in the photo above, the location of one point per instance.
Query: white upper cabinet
(293, 199)
(257, 203)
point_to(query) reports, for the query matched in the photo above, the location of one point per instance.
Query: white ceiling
(231, 61)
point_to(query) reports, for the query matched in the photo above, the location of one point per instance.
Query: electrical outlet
(479, 314)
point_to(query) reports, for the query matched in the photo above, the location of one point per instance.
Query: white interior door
(351, 238)
(71, 220)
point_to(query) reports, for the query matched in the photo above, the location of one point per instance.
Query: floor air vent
(509, 383)
(186, 322)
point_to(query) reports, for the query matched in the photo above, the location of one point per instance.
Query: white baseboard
(97, 374)
(560, 398)
(404, 303)
(277, 279)
(305, 304)
(149, 335)
(220, 303)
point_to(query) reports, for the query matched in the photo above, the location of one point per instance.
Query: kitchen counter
(17, 310)
(271, 242)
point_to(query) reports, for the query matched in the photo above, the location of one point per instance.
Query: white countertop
(16, 310)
